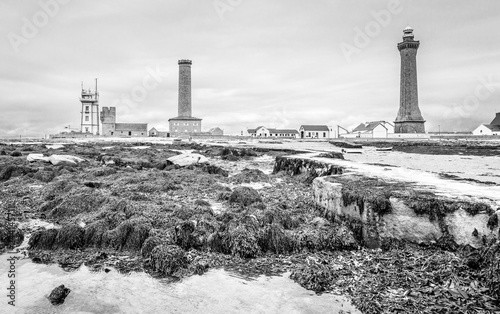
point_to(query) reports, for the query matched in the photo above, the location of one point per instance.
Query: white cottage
(489, 129)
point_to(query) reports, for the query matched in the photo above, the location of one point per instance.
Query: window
(129, 133)
(87, 108)
(86, 118)
(308, 134)
(324, 134)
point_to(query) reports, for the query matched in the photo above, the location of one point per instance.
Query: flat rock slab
(187, 159)
(56, 159)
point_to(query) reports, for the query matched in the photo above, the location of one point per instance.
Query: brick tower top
(185, 61)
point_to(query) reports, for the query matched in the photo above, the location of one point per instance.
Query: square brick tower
(184, 123)
(409, 119)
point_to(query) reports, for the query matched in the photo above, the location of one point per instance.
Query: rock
(66, 160)
(37, 157)
(16, 153)
(202, 203)
(334, 155)
(93, 185)
(245, 196)
(3, 153)
(58, 295)
(187, 159)
(230, 158)
(167, 259)
(211, 169)
(7, 172)
(250, 175)
(320, 222)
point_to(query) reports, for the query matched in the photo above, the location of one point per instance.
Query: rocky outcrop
(313, 168)
(245, 196)
(398, 220)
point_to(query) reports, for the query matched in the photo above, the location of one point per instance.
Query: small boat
(384, 149)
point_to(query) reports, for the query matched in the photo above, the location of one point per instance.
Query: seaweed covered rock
(6, 172)
(76, 202)
(168, 259)
(16, 153)
(43, 239)
(245, 196)
(58, 295)
(128, 235)
(70, 236)
(94, 232)
(208, 168)
(155, 240)
(333, 155)
(10, 235)
(244, 242)
(250, 175)
(317, 276)
(274, 238)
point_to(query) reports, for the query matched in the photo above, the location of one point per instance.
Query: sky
(280, 64)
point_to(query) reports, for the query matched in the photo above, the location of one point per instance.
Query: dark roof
(185, 118)
(496, 121)
(494, 128)
(368, 126)
(139, 127)
(274, 130)
(315, 127)
(279, 131)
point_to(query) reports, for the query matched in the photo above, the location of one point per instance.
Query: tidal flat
(125, 208)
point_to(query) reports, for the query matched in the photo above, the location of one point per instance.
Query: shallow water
(218, 291)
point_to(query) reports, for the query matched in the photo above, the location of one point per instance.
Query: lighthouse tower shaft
(409, 119)
(184, 105)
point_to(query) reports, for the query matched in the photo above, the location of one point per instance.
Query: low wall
(402, 223)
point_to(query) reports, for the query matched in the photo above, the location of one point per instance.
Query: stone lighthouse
(409, 119)
(184, 123)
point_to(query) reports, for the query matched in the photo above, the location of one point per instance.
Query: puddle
(217, 291)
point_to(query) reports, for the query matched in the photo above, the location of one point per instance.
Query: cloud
(264, 63)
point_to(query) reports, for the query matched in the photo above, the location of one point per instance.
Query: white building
(374, 129)
(262, 131)
(314, 131)
(489, 129)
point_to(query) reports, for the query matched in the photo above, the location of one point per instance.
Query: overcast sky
(278, 63)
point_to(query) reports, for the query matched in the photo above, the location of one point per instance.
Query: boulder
(58, 295)
(65, 160)
(16, 153)
(245, 196)
(187, 159)
(37, 157)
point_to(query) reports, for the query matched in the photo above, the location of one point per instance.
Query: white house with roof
(373, 129)
(489, 129)
(314, 131)
(262, 131)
